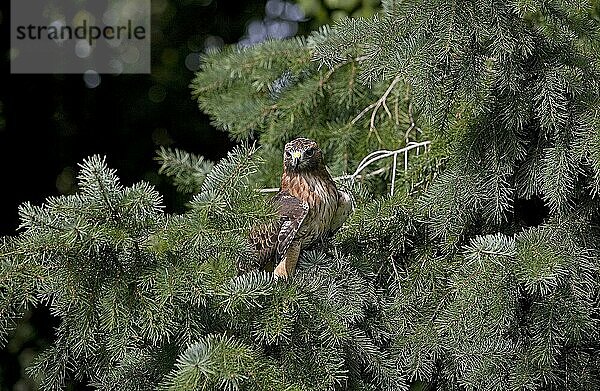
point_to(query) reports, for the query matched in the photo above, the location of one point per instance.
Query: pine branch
(188, 170)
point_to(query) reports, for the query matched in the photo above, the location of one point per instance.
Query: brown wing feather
(263, 239)
(292, 211)
(271, 241)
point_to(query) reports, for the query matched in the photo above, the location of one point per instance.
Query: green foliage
(120, 273)
(324, 11)
(148, 299)
(187, 170)
(458, 280)
(218, 362)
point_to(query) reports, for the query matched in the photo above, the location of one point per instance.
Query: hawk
(310, 208)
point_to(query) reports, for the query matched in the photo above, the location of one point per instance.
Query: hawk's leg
(288, 264)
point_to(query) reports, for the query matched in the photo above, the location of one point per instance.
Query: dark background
(50, 123)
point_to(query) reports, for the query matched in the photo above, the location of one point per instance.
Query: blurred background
(49, 123)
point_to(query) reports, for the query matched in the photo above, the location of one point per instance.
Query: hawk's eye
(288, 154)
(309, 152)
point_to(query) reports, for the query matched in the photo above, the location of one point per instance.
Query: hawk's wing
(292, 212)
(271, 241)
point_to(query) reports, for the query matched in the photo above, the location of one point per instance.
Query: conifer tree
(469, 134)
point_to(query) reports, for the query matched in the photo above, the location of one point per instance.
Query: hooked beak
(296, 157)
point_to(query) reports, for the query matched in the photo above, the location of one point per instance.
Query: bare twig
(268, 190)
(394, 173)
(331, 71)
(412, 122)
(375, 106)
(382, 102)
(349, 176)
(362, 113)
(382, 154)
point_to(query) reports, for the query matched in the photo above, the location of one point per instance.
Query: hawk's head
(302, 154)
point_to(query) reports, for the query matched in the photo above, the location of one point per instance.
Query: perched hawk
(309, 204)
